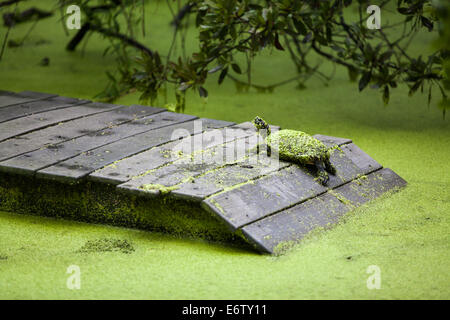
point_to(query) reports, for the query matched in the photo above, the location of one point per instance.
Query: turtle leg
(257, 145)
(269, 149)
(329, 167)
(322, 173)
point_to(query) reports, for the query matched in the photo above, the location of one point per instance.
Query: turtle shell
(297, 146)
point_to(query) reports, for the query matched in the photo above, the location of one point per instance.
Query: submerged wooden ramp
(146, 167)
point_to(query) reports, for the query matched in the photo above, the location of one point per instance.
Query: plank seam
(187, 156)
(307, 199)
(98, 147)
(63, 106)
(17, 94)
(76, 137)
(64, 121)
(94, 178)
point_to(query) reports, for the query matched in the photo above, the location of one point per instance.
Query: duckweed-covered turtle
(298, 147)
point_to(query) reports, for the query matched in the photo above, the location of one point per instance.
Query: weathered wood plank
(31, 162)
(350, 162)
(29, 108)
(200, 158)
(86, 163)
(271, 234)
(10, 99)
(36, 95)
(124, 170)
(369, 187)
(41, 120)
(332, 141)
(217, 180)
(361, 159)
(72, 129)
(261, 197)
(346, 170)
(178, 171)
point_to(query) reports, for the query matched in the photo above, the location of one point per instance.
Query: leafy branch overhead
(232, 31)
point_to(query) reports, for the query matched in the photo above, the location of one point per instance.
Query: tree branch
(9, 2)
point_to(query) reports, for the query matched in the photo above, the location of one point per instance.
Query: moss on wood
(100, 203)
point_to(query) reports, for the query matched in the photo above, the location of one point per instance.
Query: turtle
(298, 147)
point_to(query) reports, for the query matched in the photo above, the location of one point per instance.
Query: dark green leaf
(223, 75)
(427, 23)
(386, 95)
(236, 68)
(329, 33)
(203, 92)
(429, 97)
(278, 44)
(364, 81)
(300, 26)
(404, 11)
(414, 88)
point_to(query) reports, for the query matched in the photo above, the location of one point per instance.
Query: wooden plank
(215, 124)
(291, 225)
(207, 184)
(38, 121)
(262, 197)
(36, 95)
(190, 165)
(29, 108)
(10, 99)
(350, 162)
(84, 164)
(178, 171)
(271, 194)
(369, 187)
(72, 129)
(361, 159)
(332, 141)
(124, 170)
(31, 162)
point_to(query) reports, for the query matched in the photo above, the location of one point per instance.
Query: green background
(407, 235)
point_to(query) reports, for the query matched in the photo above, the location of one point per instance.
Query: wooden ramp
(64, 147)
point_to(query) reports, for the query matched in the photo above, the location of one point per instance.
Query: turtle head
(259, 123)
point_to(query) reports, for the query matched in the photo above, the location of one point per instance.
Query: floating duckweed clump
(107, 245)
